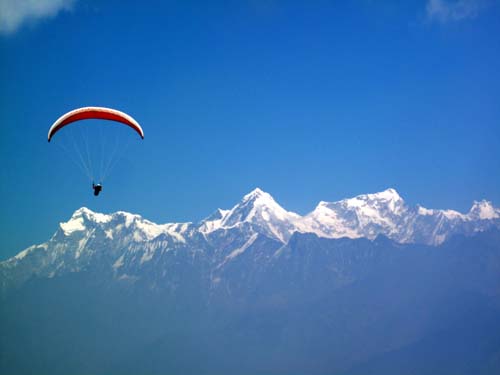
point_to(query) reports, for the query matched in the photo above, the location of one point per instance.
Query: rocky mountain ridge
(257, 225)
(362, 282)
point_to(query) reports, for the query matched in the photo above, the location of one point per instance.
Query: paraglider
(82, 152)
(97, 188)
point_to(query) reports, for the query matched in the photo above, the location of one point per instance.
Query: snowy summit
(256, 216)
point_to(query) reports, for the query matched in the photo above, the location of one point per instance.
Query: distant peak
(217, 215)
(388, 194)
(85, 214)
(482, 203)
(82, 211)
(484, 210)
(254, 194)
(127, 214)
(421, 210)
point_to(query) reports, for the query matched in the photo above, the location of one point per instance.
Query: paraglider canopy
(98, 113)
(94, 147)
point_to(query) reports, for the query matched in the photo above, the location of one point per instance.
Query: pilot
(97, 188)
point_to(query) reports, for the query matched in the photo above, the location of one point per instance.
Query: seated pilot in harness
(97, 188)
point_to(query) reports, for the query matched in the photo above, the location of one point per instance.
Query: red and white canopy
(99, 113)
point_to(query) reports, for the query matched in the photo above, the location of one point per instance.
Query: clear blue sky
(309, 100)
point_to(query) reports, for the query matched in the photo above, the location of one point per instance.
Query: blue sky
(308, 100)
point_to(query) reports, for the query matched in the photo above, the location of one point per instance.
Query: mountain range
(366, 285)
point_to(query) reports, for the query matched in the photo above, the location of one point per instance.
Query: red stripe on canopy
(97, 113)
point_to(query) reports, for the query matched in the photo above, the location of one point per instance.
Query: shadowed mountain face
(258, 290)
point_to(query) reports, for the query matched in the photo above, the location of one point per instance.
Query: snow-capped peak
(236, 231)
(256, 204)
(83, 211)
(366, 215)
(121, 224)
(90, 215)
(255, 194)
(484, 210)
(425, 211)
(80, 217)
(376, 205)
(389, 197)
(213, 222)
(259, 209)
(389, 194)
